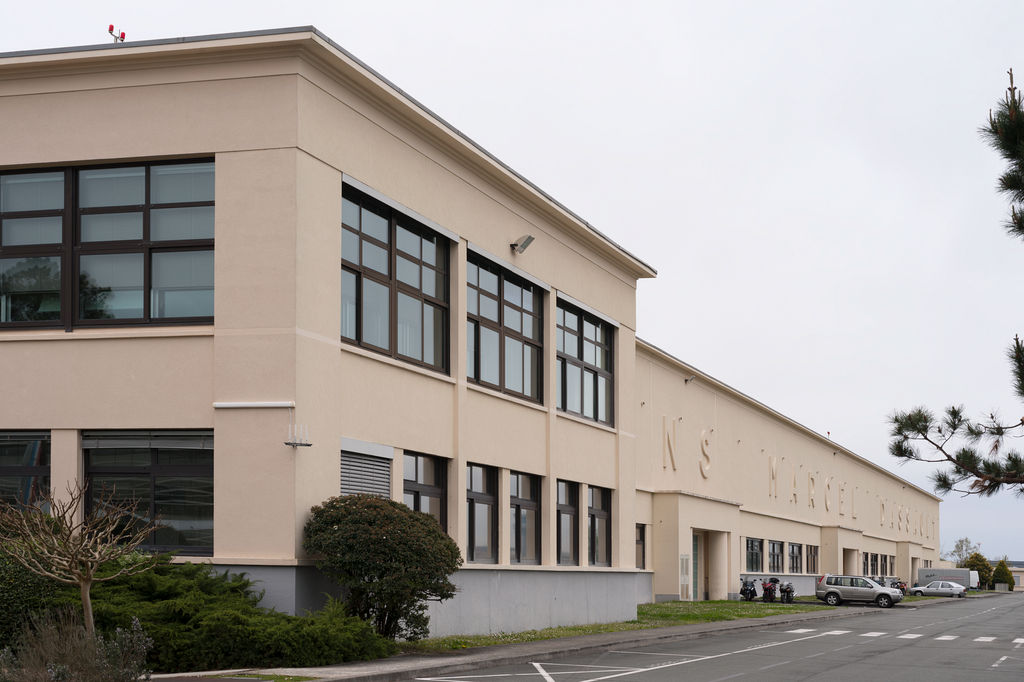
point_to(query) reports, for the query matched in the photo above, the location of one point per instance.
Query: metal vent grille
(365, 474)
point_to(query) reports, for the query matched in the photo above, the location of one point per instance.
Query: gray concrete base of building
(289, 589)
(503, 600)
(488, 600)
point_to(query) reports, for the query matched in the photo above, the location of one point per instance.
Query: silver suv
(835, 589)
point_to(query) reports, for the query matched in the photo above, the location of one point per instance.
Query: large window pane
(23, 231)
(410, 327)
(194, 222)
(489, 357)
(433, 335)
(181, 183)
(375, 225)
(376, 314)
(110, 286)
(108, 227)
(483, 532)
(573, 388)
(31, 192)
(185, 509)
(348, 304)
(530, 520)
(112, 187)
(29, 289)
(513, 365)
(182, 284)
(471, 349)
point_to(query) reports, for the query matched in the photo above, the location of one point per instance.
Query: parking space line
(838, 632)
(984, 639)
(873, 634)
(774, 665)
(947, 638)
(910, 636)
(800, 631)
(653, 653)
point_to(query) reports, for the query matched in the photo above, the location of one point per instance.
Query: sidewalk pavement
(406, 666)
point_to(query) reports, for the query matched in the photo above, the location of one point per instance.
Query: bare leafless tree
(56, 538)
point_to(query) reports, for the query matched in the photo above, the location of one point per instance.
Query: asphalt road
(968, 639)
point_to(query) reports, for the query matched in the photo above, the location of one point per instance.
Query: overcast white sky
(807, 177)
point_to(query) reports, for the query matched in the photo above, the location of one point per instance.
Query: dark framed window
(599, 522)
(865, 563)
(641, 545)
(874, 565)
(482, 503)
(167, 473)
(884, 560)
(583, 377)
(24, 466)
(796, 558)
(755, 555)
(107, 245)
(503, 330)
(524, 500)
(775, 557)
(394, 283)
(812, 558)
(425, 483)
(568, 499)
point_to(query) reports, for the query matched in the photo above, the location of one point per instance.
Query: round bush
(390, 559)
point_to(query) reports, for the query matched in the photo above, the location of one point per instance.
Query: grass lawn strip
(649, 616)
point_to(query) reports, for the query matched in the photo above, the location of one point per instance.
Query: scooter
(787, 592)
(768, 588)
(748, 590)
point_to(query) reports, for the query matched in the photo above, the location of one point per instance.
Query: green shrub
(21, 594)
(202, 619)
(1002, 574)
(978, 562)
(55, 646)
(389, 558)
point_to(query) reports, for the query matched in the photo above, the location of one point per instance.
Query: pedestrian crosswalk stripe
(910, 636)
(1019, 640)
(838, 632)
(800, 631)
(984, 639)
(873, 634)
(947, 638)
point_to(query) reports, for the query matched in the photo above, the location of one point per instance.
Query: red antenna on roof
(118, 37)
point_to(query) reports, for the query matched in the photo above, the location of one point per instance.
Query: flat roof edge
(641, 268)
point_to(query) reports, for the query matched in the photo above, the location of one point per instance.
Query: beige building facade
(241, 274)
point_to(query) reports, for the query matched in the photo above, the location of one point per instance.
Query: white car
(940, 588)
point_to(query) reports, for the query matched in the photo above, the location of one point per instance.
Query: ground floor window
(482, 509)
(424, 486)
(812, 558)
(168, 474)
(24, 466)
(874, 564)
(796, 553)
(775, 557)
(641, 545)
(600, 524)
(755, 555)
(524, 499)
(885, 564)
(568, 527)
(865, 563)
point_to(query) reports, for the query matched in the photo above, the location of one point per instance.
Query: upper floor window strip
(394, 283)
(584, 380)
(126, 244)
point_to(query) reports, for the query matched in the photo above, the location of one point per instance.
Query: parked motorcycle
(787, 592)
(768, 588)
(748, 590)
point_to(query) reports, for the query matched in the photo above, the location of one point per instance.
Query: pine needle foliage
(975, 451)
(1002, 574)
(1005, 133)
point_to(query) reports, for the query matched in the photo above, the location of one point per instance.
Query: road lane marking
(984, 639)
(947, 638)
(774, 665)
(838, 632)
(652, 653)
(801, 631)
(873, 634)
(848, 646)
(820, 653)
(910, 636)
(543, 673)
(996, 664)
